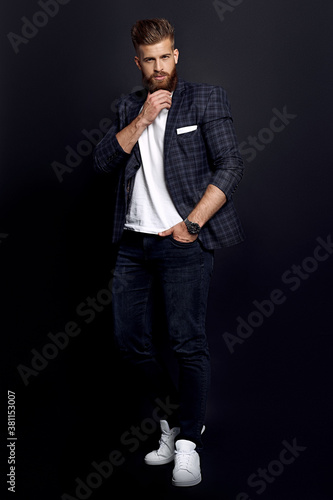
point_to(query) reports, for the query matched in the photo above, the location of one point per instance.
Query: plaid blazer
(204, 151)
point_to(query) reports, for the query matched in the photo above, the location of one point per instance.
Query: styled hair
(151, 31)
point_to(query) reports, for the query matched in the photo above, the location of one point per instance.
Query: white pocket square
(184, 130)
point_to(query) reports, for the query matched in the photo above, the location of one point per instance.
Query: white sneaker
(187, 464)
(166, 450)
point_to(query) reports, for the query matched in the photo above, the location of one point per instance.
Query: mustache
(153, 85)
(160, 73)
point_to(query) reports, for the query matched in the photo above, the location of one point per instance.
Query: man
(176, 156)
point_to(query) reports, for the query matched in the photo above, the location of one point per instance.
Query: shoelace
(164, 438)
(183, 458)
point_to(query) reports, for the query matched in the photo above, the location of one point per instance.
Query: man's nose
(158, 66)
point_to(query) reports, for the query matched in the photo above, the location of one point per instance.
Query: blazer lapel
(177, 100)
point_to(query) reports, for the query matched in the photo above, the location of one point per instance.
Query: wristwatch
(192, 227)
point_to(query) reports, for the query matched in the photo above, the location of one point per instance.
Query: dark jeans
(182, 272)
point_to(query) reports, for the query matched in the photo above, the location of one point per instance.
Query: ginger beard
(169, 83)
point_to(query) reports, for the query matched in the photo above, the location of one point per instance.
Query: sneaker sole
(186, 483)
(163, 461)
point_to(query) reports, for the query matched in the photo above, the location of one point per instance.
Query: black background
(55, 248)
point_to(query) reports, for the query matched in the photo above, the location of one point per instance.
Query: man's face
(158, 65)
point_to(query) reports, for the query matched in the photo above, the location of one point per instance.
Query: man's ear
(176, 55)
(137, 62)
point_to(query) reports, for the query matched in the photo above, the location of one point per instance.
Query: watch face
(192, 227)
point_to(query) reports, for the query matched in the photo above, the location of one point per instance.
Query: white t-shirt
(152, 209)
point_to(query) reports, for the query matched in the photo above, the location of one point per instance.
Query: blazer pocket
(185, 130)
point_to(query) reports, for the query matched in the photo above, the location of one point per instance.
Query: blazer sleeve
(221, 143)
(108, 154)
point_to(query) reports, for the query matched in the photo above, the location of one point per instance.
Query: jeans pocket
(183, 244)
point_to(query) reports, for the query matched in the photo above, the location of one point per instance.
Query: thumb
(167, 232)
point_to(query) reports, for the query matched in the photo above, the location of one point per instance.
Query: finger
(160, 94)
(159, 100)
(162, 91)
(166, 233)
